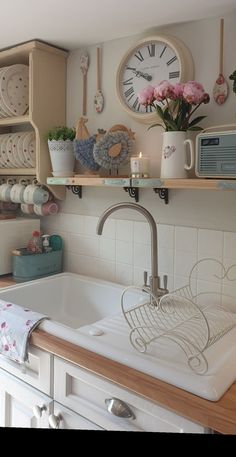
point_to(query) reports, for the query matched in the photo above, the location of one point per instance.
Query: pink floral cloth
(16, 325)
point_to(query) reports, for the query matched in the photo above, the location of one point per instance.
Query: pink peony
(164, 90)
(193, 92)
(178, 90)
(146, 95)
(175, 116)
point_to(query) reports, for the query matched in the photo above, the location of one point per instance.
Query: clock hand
(140, 73)
(144, 75)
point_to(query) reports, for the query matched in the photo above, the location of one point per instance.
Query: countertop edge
(219, 416)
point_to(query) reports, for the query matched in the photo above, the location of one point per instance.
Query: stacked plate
(18, 150)
(14, 90)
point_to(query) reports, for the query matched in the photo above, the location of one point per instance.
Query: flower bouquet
(178, 102)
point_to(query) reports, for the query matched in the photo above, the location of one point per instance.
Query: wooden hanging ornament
(84, 64)
(98, 98)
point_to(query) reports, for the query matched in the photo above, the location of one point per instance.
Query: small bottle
(35, 243)
(46, 245)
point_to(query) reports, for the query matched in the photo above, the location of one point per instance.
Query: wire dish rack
(194, 321)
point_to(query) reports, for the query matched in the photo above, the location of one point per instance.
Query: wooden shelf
(18, 171)
(197, 183)
(15, 120)
(84, 181)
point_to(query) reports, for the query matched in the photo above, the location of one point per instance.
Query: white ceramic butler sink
(87, 312)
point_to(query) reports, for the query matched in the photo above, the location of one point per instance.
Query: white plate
(21, 156)
(9, 155)
(15, 138)
(3, 157)
(14, 89)
(3, 109)
(29, 149)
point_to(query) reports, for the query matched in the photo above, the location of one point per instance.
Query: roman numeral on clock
(162, 52)
(171, 60)
(136, 105)
(149, 109)
(128, 82)
(129, 93)
(174, 74)
(151, 50)
(139, 56)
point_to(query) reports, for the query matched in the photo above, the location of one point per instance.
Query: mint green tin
(35, 266)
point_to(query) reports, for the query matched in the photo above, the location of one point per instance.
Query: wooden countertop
(219, 416)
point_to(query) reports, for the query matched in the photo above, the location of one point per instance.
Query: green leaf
(60, 133)
(171, 124)
(196, 120)
(195, 129)
(160, 112)
(155, 125)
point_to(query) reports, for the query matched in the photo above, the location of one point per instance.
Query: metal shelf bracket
(133, 192)
(163, 194)
(76, 190)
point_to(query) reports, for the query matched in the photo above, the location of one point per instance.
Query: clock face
(148, 63)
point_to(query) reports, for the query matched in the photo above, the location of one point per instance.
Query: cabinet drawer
(36, 372)
(86, 393)
(71, 420)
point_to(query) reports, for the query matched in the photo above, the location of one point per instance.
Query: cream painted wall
(210, 209)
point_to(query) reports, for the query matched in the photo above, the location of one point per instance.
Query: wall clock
(149, 62)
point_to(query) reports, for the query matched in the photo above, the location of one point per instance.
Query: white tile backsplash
(166, 260)
(90, 225)
(142, 255)
(123, 252)
(124, 273)
(186, 239)
(142, 233)
(166, 236)
(124, 230)
(229, 245)
(184, 262)
(210, 243)
(107, 249)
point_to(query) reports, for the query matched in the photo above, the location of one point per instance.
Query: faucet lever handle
(145, 277)
(165, 280)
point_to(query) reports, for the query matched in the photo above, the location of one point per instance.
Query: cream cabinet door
(21, 405)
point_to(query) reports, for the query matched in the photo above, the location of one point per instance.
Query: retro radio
(216, 154)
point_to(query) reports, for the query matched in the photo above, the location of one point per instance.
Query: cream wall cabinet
(47, 102)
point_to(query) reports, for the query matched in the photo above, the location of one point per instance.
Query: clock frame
(186, 70)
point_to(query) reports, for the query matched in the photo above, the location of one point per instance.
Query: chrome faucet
(154, 279)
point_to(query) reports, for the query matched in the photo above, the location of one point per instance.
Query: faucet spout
(154, 283)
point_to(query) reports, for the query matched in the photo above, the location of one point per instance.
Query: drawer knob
(38, 410)
(119, 408)
(54, 421)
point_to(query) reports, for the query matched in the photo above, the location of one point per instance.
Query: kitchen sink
(87, 312)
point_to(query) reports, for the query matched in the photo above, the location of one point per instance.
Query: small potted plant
(60, 145)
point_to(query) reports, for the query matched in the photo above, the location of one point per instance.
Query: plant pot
(62, 157)
(174, 160)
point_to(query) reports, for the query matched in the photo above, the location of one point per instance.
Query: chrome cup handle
(119, 408)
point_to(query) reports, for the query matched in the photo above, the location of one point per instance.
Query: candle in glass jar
(139, 166)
